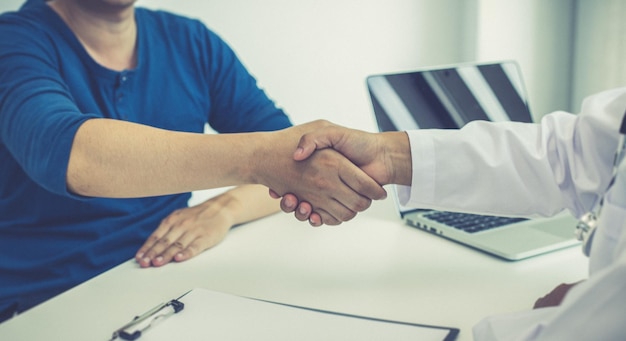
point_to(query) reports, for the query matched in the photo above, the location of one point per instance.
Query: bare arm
(112, 158)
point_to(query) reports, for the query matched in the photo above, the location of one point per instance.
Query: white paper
(210, 315)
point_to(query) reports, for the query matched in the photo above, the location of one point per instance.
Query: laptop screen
(449, 97)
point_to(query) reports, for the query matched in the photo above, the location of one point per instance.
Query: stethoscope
(586, 227)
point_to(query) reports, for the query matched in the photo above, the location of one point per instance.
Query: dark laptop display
(451, 97)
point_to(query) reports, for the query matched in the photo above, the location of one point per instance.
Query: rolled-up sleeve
(38, 118)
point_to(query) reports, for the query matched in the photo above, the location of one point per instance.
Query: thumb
(311, 142)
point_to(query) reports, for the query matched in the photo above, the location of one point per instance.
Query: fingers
(303, 210)
(336, 188)
(167, 250)
(304, 151)
(315, 220)
(180, 236)
(334, 212)
(289, 203)
(332, 220)
(555, 297)
(346, 188)
(163, 245)
(357, 191)
(363, 184)
(160, 250)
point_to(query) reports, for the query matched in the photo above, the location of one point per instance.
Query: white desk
(373, 265)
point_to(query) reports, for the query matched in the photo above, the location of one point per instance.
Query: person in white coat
(565, 162)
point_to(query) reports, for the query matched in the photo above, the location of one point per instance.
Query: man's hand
(184, 234)
(188, 232)
(335, 187)
(385, 157)
(555, 297)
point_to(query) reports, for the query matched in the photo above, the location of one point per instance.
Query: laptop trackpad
(563, 227)
(522, 239)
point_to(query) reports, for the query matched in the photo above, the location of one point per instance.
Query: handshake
(332, 172)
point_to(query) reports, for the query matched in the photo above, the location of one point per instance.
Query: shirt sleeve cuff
(423, 177)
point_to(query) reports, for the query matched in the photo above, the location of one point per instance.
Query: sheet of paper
(210, 315)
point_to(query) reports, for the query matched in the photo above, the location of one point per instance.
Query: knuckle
(326, 123)
(286, 208)
(333, 222)
(179, 225)
(172, 217)
(167, 220)
(329, 220)
(363, 204)
(192, 250)
(347, 216)
(186, 221)
(321, 122)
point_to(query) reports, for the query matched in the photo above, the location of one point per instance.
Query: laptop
(448, 97)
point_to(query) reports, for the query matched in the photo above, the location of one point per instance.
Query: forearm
(112, 158)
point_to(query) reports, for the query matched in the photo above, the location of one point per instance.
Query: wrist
(398, 158)
(224, 207)
(259, 160)
(271, 157)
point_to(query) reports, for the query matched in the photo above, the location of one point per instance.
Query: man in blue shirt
(102, 109)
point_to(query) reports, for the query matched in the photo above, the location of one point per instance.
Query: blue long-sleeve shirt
(186, 76)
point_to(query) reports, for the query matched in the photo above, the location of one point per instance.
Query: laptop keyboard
(470, 223)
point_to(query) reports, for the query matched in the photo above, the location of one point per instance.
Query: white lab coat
(563, 162)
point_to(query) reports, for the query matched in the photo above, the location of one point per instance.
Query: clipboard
(211, 315)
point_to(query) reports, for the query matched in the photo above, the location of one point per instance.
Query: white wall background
(537, 34)
(600, 48)
(9, 5)
(312, 56)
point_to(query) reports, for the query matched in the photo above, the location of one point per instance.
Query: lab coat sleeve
(518, 169)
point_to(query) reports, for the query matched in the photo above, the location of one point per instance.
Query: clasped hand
(384, 158)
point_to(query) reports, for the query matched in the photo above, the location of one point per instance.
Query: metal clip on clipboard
(135, 328)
